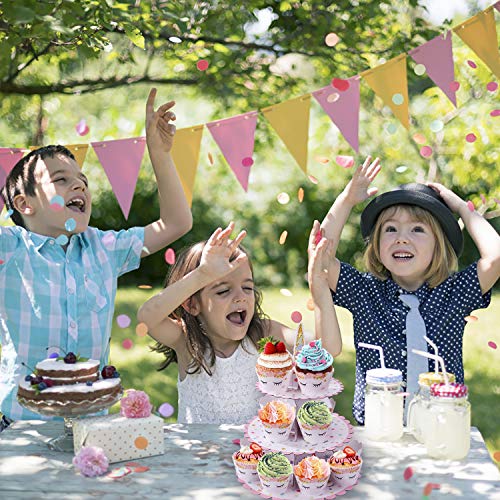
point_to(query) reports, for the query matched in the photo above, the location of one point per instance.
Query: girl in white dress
(208, 319)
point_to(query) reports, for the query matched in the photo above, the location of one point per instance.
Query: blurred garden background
(62, 62)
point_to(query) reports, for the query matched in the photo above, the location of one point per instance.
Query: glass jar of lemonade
(383, 404)
(448, 434)
(418, 410)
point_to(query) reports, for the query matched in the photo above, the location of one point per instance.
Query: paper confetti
(472, 64)
(300, 195)
(344, 161)
(141, 329)
(119, 473)
(283, 198)
(127, 344)
(492, 86)
(470, 137)
(408, 473)
(492, 344)
(247, 162)
(496, 456)
(333, 97)
(310, 304)
(170, 256)
(419, 138)
(296, 317)
(123, 321)
(398, 99)
(454, 86)
(210, 158)
(340, 84)
(57, 203)
(470, 206)
(471, 319)
(70, 224)
(312, 179)
(286, 292)
(283, 236)
(495, 112)
(401, 169)
(437, 126)
(391, 128)
(82, 127)
(166, 410)
(322, 159)
(419, 69)
(145, 287)
(331, 39)
(62, 239)
(202, 65)
(426, 151)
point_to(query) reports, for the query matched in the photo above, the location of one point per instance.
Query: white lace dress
(229, 396)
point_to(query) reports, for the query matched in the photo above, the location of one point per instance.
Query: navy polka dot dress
(379, 318)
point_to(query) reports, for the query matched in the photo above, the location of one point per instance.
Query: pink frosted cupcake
(277, 418)
(245, 461)
(314, 418)
(314, 369)
(312, 474)
(274, 366)
(345, 466)
(275, 473)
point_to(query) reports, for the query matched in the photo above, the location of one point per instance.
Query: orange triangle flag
(186, 152)
(480, 34)
(79, 152)
(389, 82)
(290, 119)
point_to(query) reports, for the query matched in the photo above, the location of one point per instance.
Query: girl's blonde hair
(444, 260)
(199, 345)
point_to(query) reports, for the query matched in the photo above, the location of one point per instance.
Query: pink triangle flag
(121, 160)
(8, 158)
(342, 106)
(235, 137)
(497, 6)
(437, 57)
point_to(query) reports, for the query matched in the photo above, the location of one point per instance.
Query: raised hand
(358, 189)
(320, 251)
(454, 202)
(159, 129)
(217, 252)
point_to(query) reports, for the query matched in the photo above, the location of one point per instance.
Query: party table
(197, 465)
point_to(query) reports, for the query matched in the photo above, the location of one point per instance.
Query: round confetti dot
(398, 99)
(174, 39)
(1, 261)
(331, 39)
(322, 159)
(492, 344)
(407, 473)
(312, 179)
(401, 169)
(471, 319)
(419, 69)
(144, 287)
(296, 317)
(344, 161)
(283, 198)
(286, 292)
(57, 200)
(108, 240)
(310, 304)
(141, 330)
(210, 158)
(70, 224)
(127, 344)
(495, 112)
(82, 128)
(170, 256)
(483, 198)
(247, 162)
(300, 195)
(166, 410)
(123, 321)
(340, 84)
(472, 64)
(426, 151)
(492, 86)
(62, 239)
(454, 86)
(496, 456)
(419, 138)
(283, 236)
(437, 126)
(202, 64)
(470, 137)
(141, 443)
(470, 206)
(333, 97)
(391, 128)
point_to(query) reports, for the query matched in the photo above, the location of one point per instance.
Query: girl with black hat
(413, 244)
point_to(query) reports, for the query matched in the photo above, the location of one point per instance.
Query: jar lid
(429, 378)
(383, 376)
(449, 391)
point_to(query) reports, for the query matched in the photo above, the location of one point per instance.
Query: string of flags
(235, 136)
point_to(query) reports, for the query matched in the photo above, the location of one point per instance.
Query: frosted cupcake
(277, 418)
(245, 461)
(314, 369)
(345, 466)
(314, 418)
(312, 474)
(275, 473)
(274, 366)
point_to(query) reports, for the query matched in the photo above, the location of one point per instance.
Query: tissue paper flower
(91, 461)
(135, 404)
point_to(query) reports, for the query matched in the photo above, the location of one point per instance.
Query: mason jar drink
(418, 411)
(448, 435)
(383, 404)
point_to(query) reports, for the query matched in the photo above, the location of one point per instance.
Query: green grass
(482, 369)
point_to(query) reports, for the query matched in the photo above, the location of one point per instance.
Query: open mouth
(237, 317)
(402, 256)
(77, 204)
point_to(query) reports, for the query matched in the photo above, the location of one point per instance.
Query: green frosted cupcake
(314, 418)
(275, 472)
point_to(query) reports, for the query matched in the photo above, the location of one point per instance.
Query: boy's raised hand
(320, 256)
(159, 129)
(217, 252)
(358, 190)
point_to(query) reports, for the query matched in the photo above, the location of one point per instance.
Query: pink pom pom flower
(91, 461)
(135, 404)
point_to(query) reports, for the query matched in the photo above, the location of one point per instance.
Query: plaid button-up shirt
(52, 298)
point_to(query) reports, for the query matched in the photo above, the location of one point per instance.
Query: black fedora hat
(422, 196)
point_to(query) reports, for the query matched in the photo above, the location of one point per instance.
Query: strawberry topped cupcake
(245, 461)
(345, 466)
(312, 474)
(314, 369)
(277, 418)
(274, 366)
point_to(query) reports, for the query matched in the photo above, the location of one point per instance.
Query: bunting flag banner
(437, 57)
(497, 6)
(343, 108)
(8, 158)
(121, 160)
(389, 82)
(235, 137)
(480, 34)
(185, 153)
(290, 120)
(79, 152)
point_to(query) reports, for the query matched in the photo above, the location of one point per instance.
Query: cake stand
(64, 442)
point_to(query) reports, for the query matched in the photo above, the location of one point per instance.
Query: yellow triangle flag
(389, 82)
(79, 152)
(186, 152)
(290, 119)
(480, 34)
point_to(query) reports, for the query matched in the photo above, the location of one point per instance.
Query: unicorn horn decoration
(299, 341)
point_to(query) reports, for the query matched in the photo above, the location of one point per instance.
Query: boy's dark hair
(21, 179)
